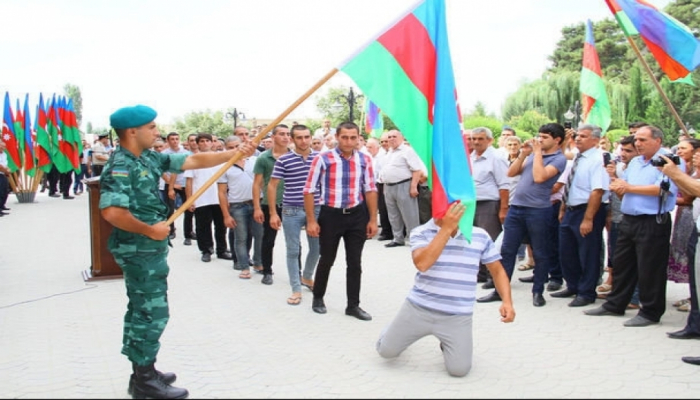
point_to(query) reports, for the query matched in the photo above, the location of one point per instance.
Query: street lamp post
(235, 115)
(574, 116)
(351, 98)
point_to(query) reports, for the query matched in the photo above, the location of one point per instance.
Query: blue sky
(257, 55)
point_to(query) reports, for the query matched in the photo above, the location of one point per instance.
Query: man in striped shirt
(441, 302)
(293, 168)
(345, 178)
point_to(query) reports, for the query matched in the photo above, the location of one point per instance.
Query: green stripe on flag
(374, 70)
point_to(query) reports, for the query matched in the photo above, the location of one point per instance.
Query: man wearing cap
(100, 154)
(129, 200)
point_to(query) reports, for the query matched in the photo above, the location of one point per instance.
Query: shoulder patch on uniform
(120, 173)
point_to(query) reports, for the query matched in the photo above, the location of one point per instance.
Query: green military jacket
(131, 182)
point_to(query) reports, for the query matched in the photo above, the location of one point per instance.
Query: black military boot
(147, 385)
(166, 377)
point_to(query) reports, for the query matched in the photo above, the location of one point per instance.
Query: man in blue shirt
(643, 243)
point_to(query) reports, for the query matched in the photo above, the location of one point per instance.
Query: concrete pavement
(60, 337)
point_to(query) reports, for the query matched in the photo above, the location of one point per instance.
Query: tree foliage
(631, 91)
(208, 121)
(73, 92)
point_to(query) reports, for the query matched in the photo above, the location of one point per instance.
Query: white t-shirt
(199, 177)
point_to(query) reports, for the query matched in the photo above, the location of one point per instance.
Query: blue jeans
(293, 219)
(537, 224)
(242, 213)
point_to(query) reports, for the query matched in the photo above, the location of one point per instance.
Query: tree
(638, 103)
(325, 104)
(203, 121)
(88, 128)
(73, 92)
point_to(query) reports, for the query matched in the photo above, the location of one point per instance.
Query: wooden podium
(103, 264)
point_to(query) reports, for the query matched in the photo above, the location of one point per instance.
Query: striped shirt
(294, 169)
(343, 181)
(449, 286)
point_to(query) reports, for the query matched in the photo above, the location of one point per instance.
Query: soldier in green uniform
(129, 200)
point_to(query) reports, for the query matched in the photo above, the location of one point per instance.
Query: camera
(660, 162)
(567, 125)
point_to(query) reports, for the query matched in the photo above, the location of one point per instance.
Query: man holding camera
(691, 186)
(643, 243)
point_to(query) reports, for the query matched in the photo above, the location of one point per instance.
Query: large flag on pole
(29, 157)
(19, 132)
(8, 136)
(407, 72)
(374, 123)
(58, 147)
(43, 147)
(673, 44)
(594, 99)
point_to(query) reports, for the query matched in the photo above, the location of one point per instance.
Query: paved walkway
(60, 337)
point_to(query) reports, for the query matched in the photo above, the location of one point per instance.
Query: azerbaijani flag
(29, 158)
(43, 143)
(8, 136)
(673, 45)
(374, 123)
(59, 145)
(19, 132)
(407, 72)
(594, 99)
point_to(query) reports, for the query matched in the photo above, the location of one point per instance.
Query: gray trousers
(402, 209)
(413, 323)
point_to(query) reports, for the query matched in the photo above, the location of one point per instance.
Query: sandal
(526, 267)
(245, 274)
(294, 299)
(680, 302)
(305, 282)
(685, 307)
(604, 288)
(258, 269)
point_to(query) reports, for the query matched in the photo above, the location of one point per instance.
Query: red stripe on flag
(410, 44)
(591, 60)
(671, 67)
(587, 103)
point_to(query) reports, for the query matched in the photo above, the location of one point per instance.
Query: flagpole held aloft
(658, 86)
(256, 140)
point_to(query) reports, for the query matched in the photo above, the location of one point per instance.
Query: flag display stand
(103, 264)
(25, 197)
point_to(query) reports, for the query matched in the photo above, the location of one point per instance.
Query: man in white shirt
(206, 207)
(400, 174)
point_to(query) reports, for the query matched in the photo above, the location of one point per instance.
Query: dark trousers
(97, 169)
(383, 213)
(486, 217)
(52, 178)
(693, 322)
(78, 179)
(269, 236)
(352, 228)
(4, 190)
(582, 253)
(555, 270)
(204, 216)
(537, 225)
(187, 222)
(641, 257)
(65, 180)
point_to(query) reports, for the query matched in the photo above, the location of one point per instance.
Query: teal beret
(132, 117)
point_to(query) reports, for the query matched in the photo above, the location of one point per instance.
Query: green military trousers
(147, 314)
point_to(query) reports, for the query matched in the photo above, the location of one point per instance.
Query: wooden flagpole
(658, 87)
(256, 140)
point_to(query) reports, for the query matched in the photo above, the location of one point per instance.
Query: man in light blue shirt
(582, 219)
(643, 243)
